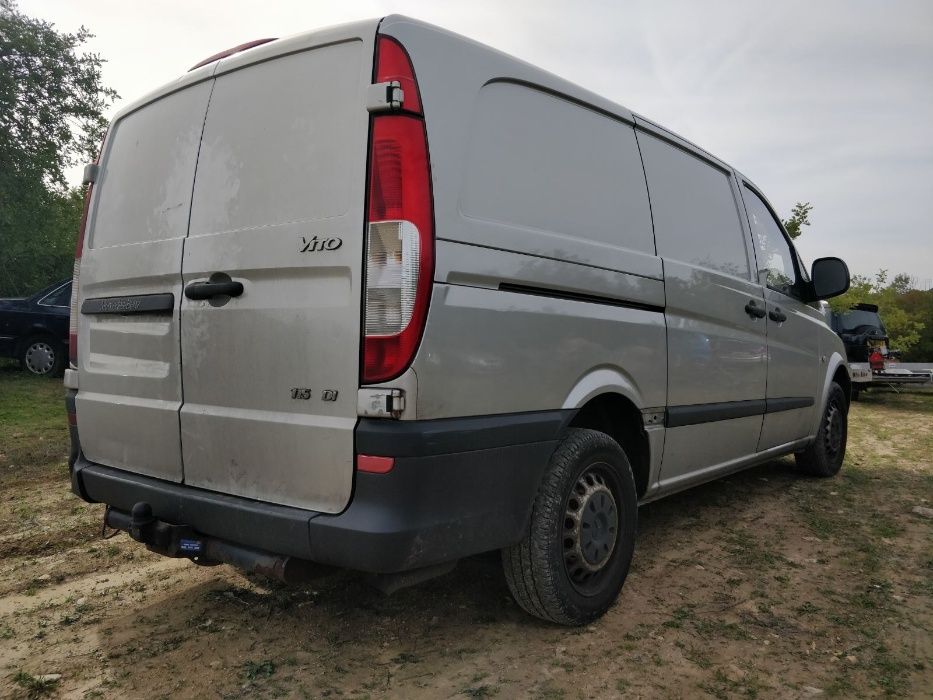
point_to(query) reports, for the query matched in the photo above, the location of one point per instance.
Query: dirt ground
(764, 584)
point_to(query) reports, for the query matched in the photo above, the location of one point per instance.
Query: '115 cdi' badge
(302, 393)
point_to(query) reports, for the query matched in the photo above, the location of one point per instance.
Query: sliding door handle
(777, 315)
(753, 310)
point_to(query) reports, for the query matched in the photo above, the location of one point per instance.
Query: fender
(835, 360)
(614, 380)
(603, 380)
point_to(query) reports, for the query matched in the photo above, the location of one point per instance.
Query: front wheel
(823, 457)
(570, 567)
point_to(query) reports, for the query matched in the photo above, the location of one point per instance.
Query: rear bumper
(459, 487)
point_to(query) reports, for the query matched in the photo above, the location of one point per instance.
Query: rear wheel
(825, 454)
(43, 356)
(573, 562)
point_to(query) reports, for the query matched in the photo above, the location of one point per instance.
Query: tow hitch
(182, 541)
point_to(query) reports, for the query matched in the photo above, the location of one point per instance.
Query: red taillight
(400, 228)
(76, 275)
(374, 465)
(75, 282)
(392, 63)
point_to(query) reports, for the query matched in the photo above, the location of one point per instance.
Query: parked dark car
(34, 330)
(862, 332)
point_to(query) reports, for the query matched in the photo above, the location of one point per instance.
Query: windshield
(851, 320)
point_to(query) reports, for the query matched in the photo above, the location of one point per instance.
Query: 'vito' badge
(315, 244)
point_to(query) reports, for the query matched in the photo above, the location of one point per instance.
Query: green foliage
(799, 217)
(52, 106)
(37, 239)
(919, 305)
(903, 322)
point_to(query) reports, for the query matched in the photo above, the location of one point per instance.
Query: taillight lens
(400, 228)
(76, 281)
(392, 63)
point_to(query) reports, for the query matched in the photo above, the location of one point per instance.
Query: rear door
(271, 373)
(130, 286)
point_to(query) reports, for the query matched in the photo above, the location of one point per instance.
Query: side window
(541, 162)
(60, 297)
(696, 219)
(775, 256)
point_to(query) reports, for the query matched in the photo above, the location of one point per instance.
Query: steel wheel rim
(40, 358)
(590, 530)
(834, 429)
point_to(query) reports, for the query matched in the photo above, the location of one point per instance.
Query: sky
(827, 101)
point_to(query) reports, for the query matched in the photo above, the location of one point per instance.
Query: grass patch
(33, 424)
(749, 553)
(254, 670)
(36, 686)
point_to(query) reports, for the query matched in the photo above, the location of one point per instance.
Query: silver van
(379, 297)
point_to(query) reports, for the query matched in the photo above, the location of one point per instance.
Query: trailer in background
(871, 360)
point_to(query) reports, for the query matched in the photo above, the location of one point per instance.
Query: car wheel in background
(43, 356)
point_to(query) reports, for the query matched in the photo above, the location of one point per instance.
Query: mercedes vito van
(380, 297)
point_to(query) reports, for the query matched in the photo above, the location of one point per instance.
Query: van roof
(262, 50)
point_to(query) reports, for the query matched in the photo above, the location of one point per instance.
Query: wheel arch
(619, 417)
(841, 377)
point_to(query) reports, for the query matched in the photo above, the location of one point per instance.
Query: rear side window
(775, 256)
(696, 219)
(144, 187)
(541, 162)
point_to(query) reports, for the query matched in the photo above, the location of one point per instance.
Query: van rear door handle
(777, 315)
(208, 290)
(753, 310)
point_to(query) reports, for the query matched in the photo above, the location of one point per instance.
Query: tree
(52, 104)
(904, 325)
(919, 304)
(799, 217)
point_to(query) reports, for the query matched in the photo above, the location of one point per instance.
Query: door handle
(753, 310)
(777, 315)
(207, 290)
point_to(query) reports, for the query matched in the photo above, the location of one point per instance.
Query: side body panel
(545, 270)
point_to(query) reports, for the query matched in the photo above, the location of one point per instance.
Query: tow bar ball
(140, 520)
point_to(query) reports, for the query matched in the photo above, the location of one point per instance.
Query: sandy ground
(765, 584)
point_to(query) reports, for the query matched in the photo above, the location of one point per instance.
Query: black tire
(43, 356)
(570, 567)
(856, 392)
(825, 454)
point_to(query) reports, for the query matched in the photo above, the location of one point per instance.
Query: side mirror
(830, 278)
